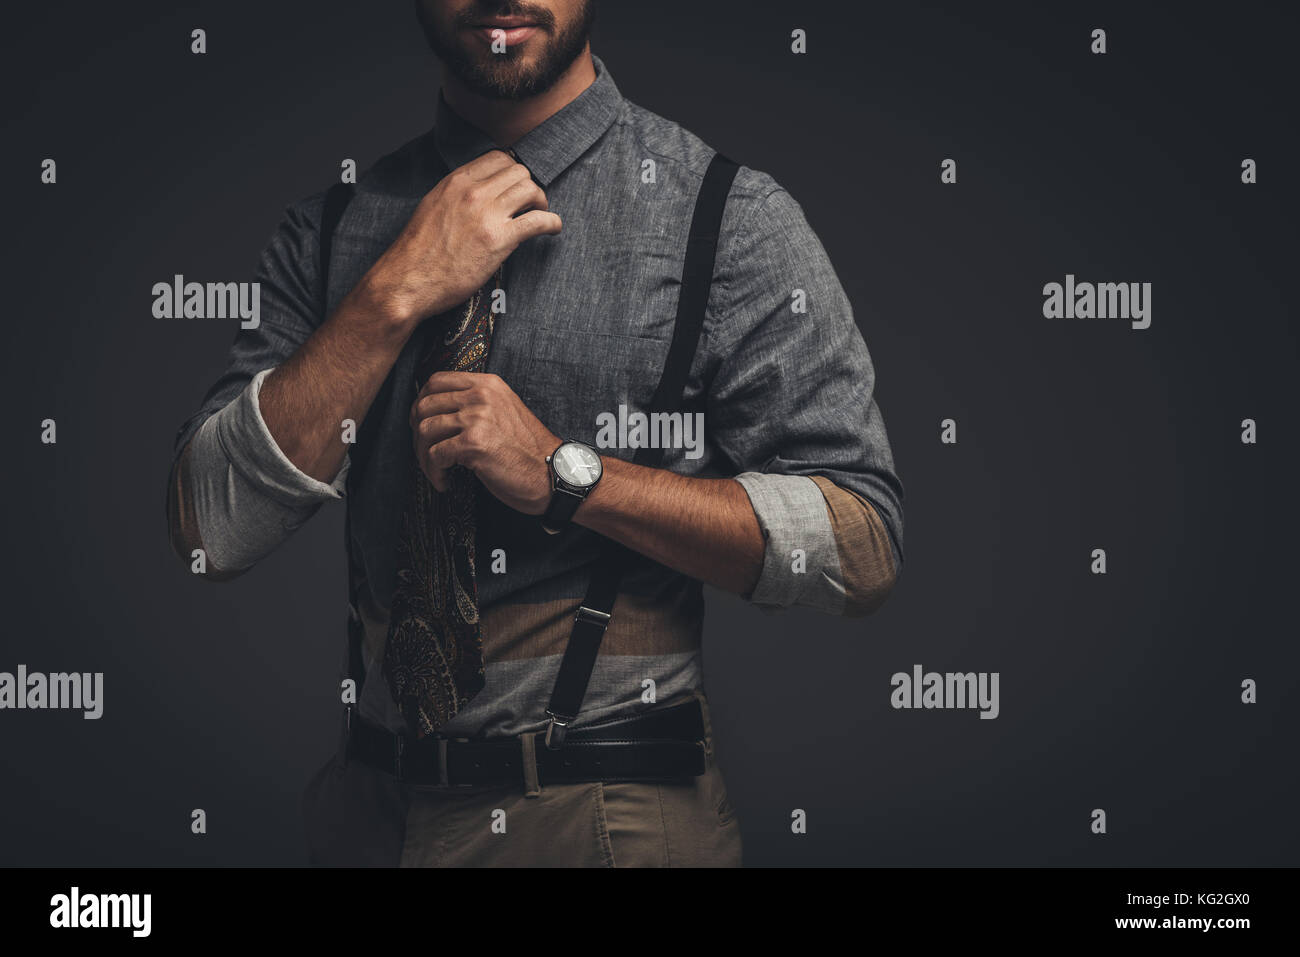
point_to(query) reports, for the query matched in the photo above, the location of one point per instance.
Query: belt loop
(528, 745)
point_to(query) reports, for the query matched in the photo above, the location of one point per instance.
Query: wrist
(547, 484)
(389, 310)
(574, 472)
(597, 506)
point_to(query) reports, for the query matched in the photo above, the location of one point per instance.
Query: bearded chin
(505, 76)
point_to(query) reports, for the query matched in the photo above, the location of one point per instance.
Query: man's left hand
(475, 420)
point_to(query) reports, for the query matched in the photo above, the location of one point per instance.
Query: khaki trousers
(358, 817)
(688, 824)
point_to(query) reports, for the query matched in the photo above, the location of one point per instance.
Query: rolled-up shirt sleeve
(232, 492)
(792, 405)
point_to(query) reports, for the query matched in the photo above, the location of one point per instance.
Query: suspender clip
(592, 617)
(556, 730)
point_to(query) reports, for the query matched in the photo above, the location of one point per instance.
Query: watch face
(576, 464)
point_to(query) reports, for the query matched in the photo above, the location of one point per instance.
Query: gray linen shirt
(787, 396)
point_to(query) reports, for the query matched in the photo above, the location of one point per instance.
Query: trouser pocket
(676, 824)
(562, 826)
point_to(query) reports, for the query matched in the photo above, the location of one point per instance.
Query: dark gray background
(1120, 692)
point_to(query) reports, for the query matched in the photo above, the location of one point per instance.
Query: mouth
(512, 30)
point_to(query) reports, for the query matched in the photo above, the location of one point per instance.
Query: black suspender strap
(597, 606)
(337, 198)
(336, 201)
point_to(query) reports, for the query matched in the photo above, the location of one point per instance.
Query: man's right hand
(463, 229)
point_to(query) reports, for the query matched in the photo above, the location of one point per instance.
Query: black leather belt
(662, 744)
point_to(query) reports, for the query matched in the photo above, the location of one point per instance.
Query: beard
(510, 75)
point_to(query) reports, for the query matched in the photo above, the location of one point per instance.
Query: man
(493, 305)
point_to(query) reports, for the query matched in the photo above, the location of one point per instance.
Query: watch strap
(560, 511)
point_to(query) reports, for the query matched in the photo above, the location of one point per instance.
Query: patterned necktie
(433, 660)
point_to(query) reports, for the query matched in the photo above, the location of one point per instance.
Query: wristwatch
(575, 471)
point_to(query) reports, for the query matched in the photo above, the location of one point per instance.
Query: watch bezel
(561, 484)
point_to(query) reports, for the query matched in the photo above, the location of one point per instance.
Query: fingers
(475, 174)
(436, 403)
(535, 223)
(431, 436)
(509, 185)
(522, 196)
(503, 178)
(435, 420)
(488, 165)
(448, 382)
(433, 429)
(442, 457)
(450, 421)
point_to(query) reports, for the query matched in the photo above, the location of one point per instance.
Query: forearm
(334, 376)
(704, 528)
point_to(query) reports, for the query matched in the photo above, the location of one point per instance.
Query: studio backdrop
(1067, 232)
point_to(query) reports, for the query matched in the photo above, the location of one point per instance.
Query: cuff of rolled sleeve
(253, 451)
(791, 511)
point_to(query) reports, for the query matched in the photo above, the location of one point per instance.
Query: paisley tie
(433, 660)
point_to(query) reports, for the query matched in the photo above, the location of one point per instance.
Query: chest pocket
(575, 376)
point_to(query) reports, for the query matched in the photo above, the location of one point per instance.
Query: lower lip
(513, 35)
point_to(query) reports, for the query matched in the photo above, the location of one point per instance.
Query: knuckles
(473, 443)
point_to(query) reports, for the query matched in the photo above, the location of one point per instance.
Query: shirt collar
(549, 148)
